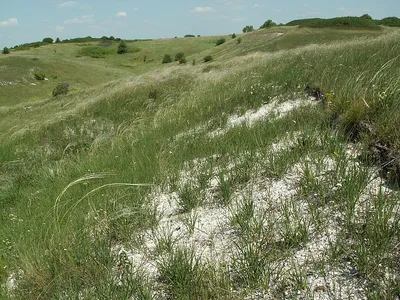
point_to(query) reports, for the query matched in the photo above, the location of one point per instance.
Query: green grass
(80, 174)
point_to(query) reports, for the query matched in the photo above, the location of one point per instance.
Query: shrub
(61, 89)
(193, 62)
(122, 48)
(95, 51)
(40, 76)
(6, 50)
(182, 60)
(179, 55)
(239, 40)
(233, 36)
(48, 40)
(248, 29)
(167, 59)
(220, 41)
(267, 24)
(58, 40)
(208, 58)
(189, 35)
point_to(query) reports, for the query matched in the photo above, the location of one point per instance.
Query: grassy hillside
(68, 62)
(220, 180)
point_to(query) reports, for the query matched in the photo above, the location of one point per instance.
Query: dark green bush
(208, 58)
(179, 55)
(233, 36)
(220, 41)
(61, 89)
(182, 60)
(48, 40)
(6, 50)
(390, 21)
(122, 48)
(39, 76)
(239, 40)
(350, 22)
(268, 24)
(167, 59)
(95, 51)
(248, 28)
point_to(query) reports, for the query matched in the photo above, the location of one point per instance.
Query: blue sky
(24, 21)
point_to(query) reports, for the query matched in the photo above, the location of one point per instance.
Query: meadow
(212, 180)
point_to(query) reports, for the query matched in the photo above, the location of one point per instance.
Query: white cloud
(121, 14)
(9, 22)
(204, 9)
(68, 4)
(258, 5)
(81, 20)
(59, 28)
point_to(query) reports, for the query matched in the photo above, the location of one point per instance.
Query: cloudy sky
(28, 20)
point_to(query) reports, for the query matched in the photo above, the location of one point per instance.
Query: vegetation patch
(95, 51)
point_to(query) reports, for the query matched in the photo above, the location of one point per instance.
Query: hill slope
(219, 180)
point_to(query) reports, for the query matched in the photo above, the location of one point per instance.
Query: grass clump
(207, 58)
(61, 89)
(185, 277)
(39, 76)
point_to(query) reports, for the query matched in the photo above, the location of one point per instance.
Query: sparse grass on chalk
(223, 184)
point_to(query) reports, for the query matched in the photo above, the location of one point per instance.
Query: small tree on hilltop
(233, 36)
(6, 50)
(267, 24)
(58, 40)
(122, 48)
(248, 28)
(48, 40)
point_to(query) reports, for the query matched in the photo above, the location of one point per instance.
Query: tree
(248, 29)
(122, 48)
(239, 40)
(48, 40)
(111, 38)
(6, 50)
(268, 24)
(233, 36)
(366, 16)
(58, 40)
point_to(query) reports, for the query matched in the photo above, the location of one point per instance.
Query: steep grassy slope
(219, 180)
